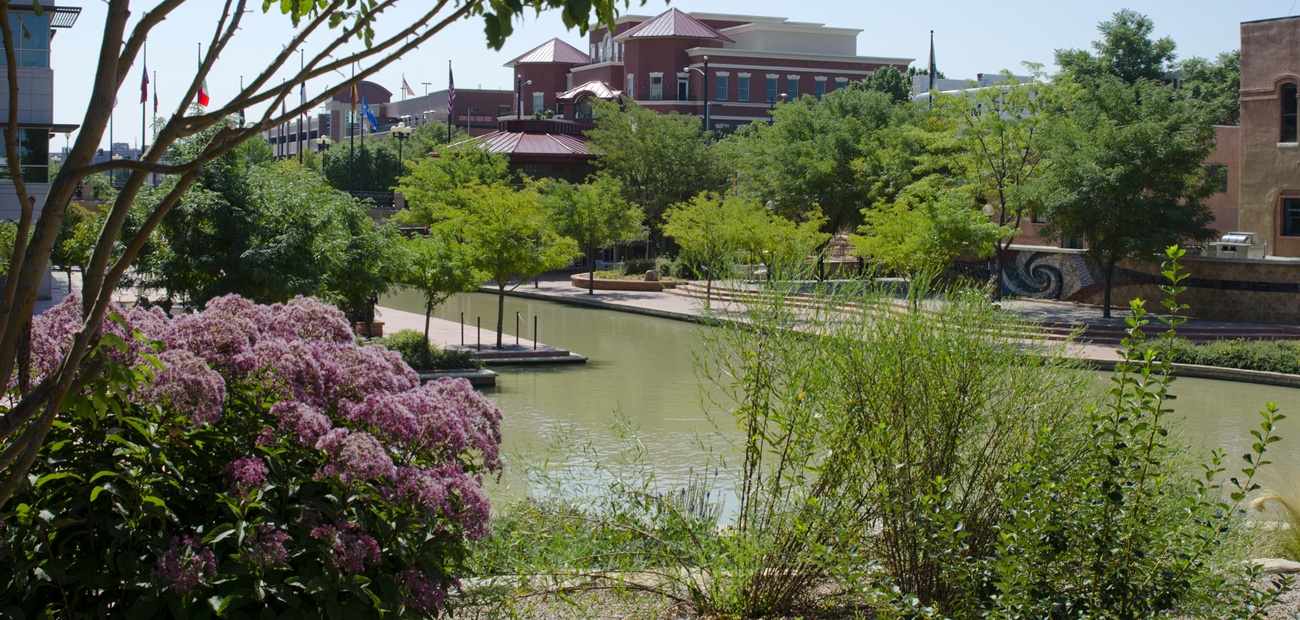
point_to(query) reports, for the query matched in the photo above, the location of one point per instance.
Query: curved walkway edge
(678, 308)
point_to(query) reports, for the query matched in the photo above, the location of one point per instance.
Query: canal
(644, 368)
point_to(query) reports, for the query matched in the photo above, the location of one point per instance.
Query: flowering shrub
(247, 460)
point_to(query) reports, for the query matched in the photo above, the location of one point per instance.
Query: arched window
(1289, 116)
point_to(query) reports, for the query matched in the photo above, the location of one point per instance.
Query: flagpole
(451, 99)
(931, 69)
(144, 98)
(352, 132)
(301, 87)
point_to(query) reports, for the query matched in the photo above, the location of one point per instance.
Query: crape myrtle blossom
(347, 421)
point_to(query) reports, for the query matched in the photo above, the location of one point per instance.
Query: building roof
(517, 143)
(555, 51)
(594, 88)
(673, 23)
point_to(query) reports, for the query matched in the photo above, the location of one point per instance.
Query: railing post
(534, 332)
(516, 328)
(462, 329)
(478, 323)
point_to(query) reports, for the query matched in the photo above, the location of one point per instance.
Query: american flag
(407, 87)
(451, 91)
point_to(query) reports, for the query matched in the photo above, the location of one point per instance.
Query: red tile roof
(554, 50)
(673, 23)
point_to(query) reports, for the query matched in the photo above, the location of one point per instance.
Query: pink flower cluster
(185, 565)
(351, 549)
(265, 547)
(360, 412)
(243, 476)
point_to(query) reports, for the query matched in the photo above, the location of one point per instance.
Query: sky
(969, 38)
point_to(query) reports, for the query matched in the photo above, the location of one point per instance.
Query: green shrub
(638, 266)
(668, 267)
(418, 354)
(1265, 355)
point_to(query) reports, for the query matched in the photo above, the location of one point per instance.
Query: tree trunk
(428, 311)
(591, 271)
(997, 274)
(1109, 275)
(501, 309)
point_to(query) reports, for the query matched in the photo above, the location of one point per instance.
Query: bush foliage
(246, 461)
(1266, 355)
(418, 354)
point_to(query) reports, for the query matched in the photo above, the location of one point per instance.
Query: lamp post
(401, 132)
(323, 144)
(771, 108)
(704, 73)
(519, 95)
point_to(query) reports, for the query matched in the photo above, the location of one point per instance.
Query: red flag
(144, 85)
(203, 93)
(155, 102)
(407, 87)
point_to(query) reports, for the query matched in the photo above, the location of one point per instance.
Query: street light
(771, 107)
(704, 73)
(401, 132)
(323, 144)
(519, 95)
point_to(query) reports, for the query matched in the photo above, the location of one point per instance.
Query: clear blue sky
(970, 38)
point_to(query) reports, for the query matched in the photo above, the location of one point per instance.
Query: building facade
(32, 37)
(1269, 165)
(660, 62)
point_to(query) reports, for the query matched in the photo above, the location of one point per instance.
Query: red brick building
(660, 63)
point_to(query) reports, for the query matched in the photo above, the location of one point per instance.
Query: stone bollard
(652, 276)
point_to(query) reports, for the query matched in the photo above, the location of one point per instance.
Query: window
(1288, 113)
(1038, 218)
(771, 88)
(31, 36)
(841, 82)
(631, 89)
(1291, 217)
(742, 87)
(656, 87)
(792, 87)
(33, 155)
(1216, 176)
(819, 88)
(559, 110)
(683, 88)
(720, 87)
(539, 103)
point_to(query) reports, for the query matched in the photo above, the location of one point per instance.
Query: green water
(644, 367)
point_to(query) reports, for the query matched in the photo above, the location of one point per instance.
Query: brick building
(659, 62)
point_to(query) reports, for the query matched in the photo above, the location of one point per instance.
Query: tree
(593, 214)
(660, 159)
(924, 229)
(1126, 51)
(439, 266)
(373, 168)
(327, 25)
(432, 185)
(1216, 85)
(710, 228)
(76, 236)
(1128, 172)
(818, 154)
(992, 142)
(509, 237)
(889, 81)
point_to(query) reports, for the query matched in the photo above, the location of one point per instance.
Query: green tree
(823, 154)
(509, 237)
(1216, 85)
(887, 80)
(1127, 173)
(76, 237)
(439, 266)
(432, 185)
(363, 34)
(710, 229)
(593, 214)
(923, 230)
(373, 168)
(1126, 50)
(991, 143)
(660, 159)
